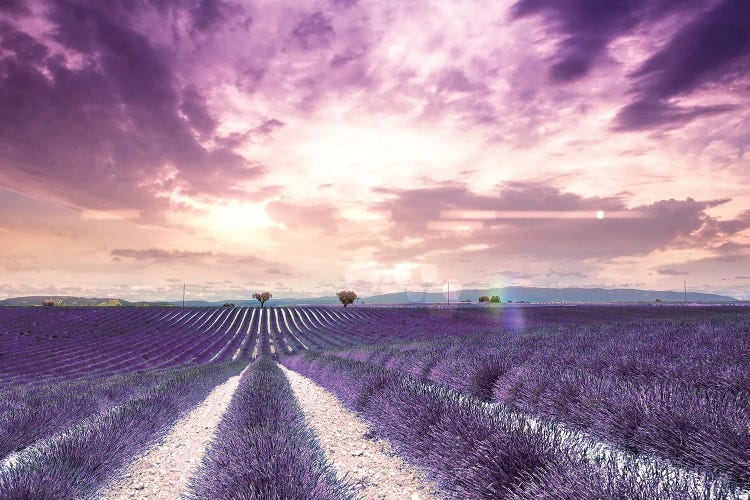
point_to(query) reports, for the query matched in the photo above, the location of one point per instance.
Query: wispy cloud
(672, 272)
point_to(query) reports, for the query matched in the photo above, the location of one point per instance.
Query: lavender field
(485, 402)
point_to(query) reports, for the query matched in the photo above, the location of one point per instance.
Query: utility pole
(449, 292)
(685, 284)
(183, 294)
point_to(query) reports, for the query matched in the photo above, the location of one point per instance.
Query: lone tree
(495, 299)
(262, 297)
(484, 298)
(347, 297)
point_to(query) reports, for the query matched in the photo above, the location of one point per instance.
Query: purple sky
(305, 147)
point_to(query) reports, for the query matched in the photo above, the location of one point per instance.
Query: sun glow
(234, 216)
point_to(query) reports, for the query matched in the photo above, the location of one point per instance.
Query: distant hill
(61, 300)
(538, 294)
(510, 293)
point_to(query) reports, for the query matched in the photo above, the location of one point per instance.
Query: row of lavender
(263, 447)
(64, 343)
(41, 344)
(499, 453)
(473, 449)
(29, 413)
(79, 449)
(38, 344)
(678, 388)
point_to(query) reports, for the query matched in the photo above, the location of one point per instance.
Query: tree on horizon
(347, 297)
(262, 297)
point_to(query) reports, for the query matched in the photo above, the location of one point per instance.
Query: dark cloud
(411, 209)
(314, 31)
(14, 7)
(418, 214)
(643, 114)
(455, 80)
(736, 225)
(589, 25)
(267, 127)
(159, 254)
(174, 255)
(101, 122)
(345, 3)
(21, 44)
(729, 251)
(194, 107)
(514, 275)
(552, 273)
(207, 13)
(712, 49)
(262, 132)
(672, 272)
(277, 271)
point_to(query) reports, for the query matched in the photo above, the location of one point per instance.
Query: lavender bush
(29, 413)
(678, 388)
(659, 383)
(263, 449)
(474, 450)
(75, 463)
(54, 345)
(39, 345)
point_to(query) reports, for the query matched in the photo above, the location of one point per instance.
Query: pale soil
(164, 471)
(371, 465)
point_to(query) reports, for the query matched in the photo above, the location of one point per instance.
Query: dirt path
(164, 471)
(371, 465)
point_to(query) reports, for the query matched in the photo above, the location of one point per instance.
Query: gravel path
(371, 465)
(164, 471)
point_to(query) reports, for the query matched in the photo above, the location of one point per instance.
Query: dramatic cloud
(710, 45)
(536, 220)
(712, 49)
(104, 123)
(588, 26)
(14, 7)
(177, 256)
(378, 145)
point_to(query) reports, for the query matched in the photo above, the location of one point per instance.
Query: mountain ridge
(506, 294)
(72, 301)
(515, 294)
